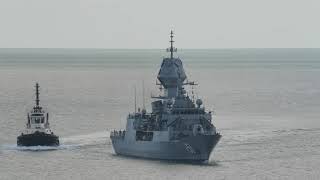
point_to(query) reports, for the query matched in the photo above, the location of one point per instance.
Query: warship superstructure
(178, 127)
(37, 131)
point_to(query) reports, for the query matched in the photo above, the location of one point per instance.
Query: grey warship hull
(192, 149)
(178, 128)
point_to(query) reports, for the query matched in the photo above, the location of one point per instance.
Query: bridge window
(37, 121)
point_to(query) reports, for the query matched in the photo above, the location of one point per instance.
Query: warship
(37, 131)
(178, 127)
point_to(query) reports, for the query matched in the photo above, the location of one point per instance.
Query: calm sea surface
(266, 104)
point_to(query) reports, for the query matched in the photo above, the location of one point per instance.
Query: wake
(86, 139)
(66, 143)
(34, 148)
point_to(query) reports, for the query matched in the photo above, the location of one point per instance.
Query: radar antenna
(171, 49)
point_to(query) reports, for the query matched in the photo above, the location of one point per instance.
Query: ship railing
(183, 110)
(182, 134)
(120, 133)
(132, 116)
(139, 116)
(208, 133)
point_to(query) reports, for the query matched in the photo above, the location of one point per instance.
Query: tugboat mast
(37, 94)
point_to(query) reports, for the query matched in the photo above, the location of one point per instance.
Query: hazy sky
(147, 23)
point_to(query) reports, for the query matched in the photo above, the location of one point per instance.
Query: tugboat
(178, 128)
(37, 132)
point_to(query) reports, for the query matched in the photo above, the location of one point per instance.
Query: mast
(171, 42)
(37, 94)
(171, 49)
(143, 100)
(135, 100)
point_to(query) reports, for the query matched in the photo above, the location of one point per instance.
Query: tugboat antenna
(37, 94)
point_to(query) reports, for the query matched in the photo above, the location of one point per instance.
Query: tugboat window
(37, 120)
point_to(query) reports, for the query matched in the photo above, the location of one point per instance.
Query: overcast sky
(147, 23)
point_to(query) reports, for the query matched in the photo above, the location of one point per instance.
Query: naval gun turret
(177, 128)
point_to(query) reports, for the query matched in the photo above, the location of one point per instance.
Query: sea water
(266, 105)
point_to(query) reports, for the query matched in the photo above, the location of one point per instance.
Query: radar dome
(199, 102)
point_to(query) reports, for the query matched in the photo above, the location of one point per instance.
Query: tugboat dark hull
(38, 139)
(190, 149)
